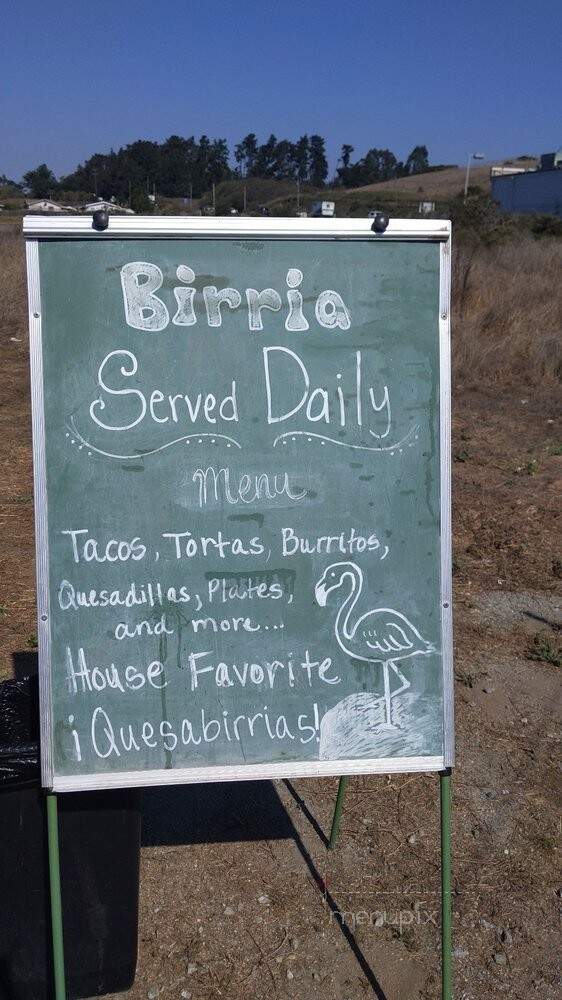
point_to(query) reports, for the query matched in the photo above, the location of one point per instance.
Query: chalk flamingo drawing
(378, 636)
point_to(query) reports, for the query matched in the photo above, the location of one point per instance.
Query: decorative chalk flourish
(152, 451)
(412, 433)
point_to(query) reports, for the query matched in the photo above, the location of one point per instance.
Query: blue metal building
(535, 191)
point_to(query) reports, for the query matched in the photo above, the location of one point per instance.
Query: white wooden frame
(183, 227)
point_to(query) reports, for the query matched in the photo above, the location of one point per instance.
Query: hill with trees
(188, 167)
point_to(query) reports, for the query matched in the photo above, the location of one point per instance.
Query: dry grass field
(508, 314)
(238, 892)
(442, 184)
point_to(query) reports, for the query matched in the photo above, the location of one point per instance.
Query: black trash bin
(99, 836)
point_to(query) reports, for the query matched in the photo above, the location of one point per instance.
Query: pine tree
(318, 163)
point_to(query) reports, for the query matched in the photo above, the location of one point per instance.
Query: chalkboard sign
(241, 443)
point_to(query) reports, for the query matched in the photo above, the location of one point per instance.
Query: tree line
(187, 167)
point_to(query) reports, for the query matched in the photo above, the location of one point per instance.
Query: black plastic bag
(99, 837)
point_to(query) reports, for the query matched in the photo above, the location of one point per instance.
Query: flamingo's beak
(320, 594)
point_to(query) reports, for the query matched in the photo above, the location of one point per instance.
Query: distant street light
(471, 157)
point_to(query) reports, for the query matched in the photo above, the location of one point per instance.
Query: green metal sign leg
(337, 814)
(56, 906)
(446, 913)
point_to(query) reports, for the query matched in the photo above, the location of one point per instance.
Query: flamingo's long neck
(343, 625)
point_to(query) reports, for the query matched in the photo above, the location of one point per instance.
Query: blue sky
(81, 77)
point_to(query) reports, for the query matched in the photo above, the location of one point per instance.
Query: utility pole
(214, 199)
(129, 192)
(245, 198)
(298, 195)
(471, 156)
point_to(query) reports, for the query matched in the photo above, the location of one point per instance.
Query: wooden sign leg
(337, 814)
(446, 914)
(56, 905)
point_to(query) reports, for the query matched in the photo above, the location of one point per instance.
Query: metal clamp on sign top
(100, 220)
(380, 223)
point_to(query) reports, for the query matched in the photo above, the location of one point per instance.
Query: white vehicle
(100, 205)
(506, 171)
(323, 209)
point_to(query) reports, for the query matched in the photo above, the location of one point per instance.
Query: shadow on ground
(233, 811)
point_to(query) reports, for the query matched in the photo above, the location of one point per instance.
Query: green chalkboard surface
(241, 491)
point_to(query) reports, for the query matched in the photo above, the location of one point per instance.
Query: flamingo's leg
(388, 724)
(405, 683)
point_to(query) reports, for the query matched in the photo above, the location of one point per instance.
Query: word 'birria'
(144, 310)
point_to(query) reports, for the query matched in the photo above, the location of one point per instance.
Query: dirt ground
(239, 896)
